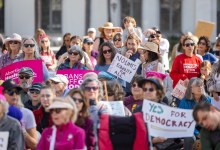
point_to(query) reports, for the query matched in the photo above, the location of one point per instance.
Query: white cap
(92, 30)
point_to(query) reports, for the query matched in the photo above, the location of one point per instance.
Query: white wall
(19, 17)
(73, 17)
(115, 13)
(150, 14)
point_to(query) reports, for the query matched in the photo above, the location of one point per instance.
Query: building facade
(76, 16)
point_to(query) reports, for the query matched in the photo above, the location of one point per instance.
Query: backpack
(123, 133)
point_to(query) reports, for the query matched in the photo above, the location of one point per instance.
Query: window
(2, 14)
(170, 16)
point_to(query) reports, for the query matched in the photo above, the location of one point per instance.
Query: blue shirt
(210, 57)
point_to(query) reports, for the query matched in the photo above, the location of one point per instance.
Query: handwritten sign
(116, 107)
(123, 67)
(179, 90)
(75, 77)
(168, 122)
(11, 71)
(4, 140)
(204, 28)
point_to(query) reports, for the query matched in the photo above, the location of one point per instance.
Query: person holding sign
(195, 94)
(152, 58)
(207, 117)
(10, 130)
(75, 54)
(186, 65)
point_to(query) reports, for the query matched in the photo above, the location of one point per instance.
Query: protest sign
(75, 77)
(179, 90)
(116, 107)
(4, 140)
(123, 67)
(166, 121)
(11, 71)
(204, 28)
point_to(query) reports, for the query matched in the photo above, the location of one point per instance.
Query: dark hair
(137, 79)
(101, 58)
(75, 37)
(180, 45)
(201, 107)
(118, 34)
(207, 41)
(189, 38)
(115, 88)
(84, 113)
(65, 35)
(152, 56)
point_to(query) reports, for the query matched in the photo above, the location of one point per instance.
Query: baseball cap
(36, 86)
(88, 40)
(60, 104)
(26, 70)
(10, 84)
(60, 78)
(91, 30)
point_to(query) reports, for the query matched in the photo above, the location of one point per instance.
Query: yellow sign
(204, 28)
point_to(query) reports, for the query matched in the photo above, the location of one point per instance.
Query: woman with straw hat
(107, 32)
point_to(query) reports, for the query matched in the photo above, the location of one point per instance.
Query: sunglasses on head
(78, 100)
(13, 42)
(148, 89)
(87, 88)
(44, 41)
(73, 53)
(29, 45)
(35, 91)
(11, 92)
(89, 43)
(22, 77)
(107, 51)
(189, 44)
(56, 110)
(117, 40)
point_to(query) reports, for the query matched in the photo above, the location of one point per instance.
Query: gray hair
(87, 80)
(36, 52)
(194, 82)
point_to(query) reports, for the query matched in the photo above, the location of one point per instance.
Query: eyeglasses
(73, 53)
(44, 41)
(13, 42)
(189, 44)
(134, 85)
(26, 77)
(201, 43)
(148, 89)
(78, 100)
(107, 51)
(56, 110)
(11, 92)
(89, 43)
(35, 91)
(29, 45)
(87, 88)
(117, 40)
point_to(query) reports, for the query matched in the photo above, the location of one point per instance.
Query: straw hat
(107, 25)
(14, 37)
(150, 46)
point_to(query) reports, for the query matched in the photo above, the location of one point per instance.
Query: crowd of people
(48, 115)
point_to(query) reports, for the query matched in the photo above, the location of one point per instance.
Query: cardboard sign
(168, 122)
(11, 71)
(4, 140)
(75, 77)
(116, 107)
(179, 90)
(204, 28)
(123, 67)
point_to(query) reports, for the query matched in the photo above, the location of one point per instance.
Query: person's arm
(30, 137)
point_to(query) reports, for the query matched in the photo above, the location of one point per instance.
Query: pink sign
(11, 71)
(75, 77)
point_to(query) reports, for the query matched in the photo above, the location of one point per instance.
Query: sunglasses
(34, 91)
(134, 85)
(13, 42)
(78, 100)
(54, 82)
(26, 77)
(89, 43)
(11, 92)
(107, 51)
(154, 36)
(189, 44)
(56, 110)
(73, 53)
(87, 88)
(117, 40)
(148, 89)
(44, 41)
(29, 45)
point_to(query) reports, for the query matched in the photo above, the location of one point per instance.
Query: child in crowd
(205, 70)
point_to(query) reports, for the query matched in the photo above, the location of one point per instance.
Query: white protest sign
(4, 140)
(179, 90)
(116, 107)
(168, 122)
(123, 67)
